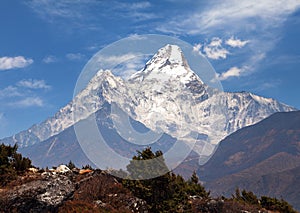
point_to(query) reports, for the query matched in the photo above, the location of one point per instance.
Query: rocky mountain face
(263, 158)
(166, 96)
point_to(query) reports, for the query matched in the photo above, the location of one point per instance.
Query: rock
(33, 170)
(100, 203)
(39, 195)
(137, 205)
(62, 169)
(55, 191)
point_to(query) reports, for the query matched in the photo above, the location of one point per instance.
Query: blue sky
(253, 46)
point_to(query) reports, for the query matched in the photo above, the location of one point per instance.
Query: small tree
(87, 166)
(71, 165)
(195, 188)
(11, 163)
(165, 193)
(20, 163)
(249, 197)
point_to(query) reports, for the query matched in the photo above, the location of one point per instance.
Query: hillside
(263, 158)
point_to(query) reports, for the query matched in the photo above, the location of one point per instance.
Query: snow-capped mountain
(165, 96)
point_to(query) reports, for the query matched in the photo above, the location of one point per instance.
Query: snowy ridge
(165, 96)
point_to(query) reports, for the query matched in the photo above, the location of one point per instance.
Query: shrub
(11, 163)
(166, 193)
(276, 205)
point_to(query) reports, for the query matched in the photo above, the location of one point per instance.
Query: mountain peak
(172, 53)
(167, 64)
(169, 55)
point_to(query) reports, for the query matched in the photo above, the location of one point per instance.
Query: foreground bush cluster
(98, 191)
(11, 163)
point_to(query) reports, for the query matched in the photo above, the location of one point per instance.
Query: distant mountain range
(166, 97)
(263, 158)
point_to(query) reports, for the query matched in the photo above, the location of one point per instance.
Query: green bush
(268, 203)
(166, 193)
(276, 205)
(11, 163)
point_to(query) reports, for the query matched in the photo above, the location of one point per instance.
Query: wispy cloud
(59, 9)
(234, 42)
(29, 102)
(138, 5)
(128, 68)
(78, 14)
(124, 65)
(233, 15)
(7, 63)
(10, 91)
(49, 59)
(116, 59)
(271, 84)
(75, 56)
(33, 84)
(25, 93)
(2, 120)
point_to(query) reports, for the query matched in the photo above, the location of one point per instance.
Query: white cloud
(33, 84)
(213, 50)
(75, 56)
(234, 42)
(49, 59)
(7, 63)
(197, 47)
(232, 72)
(29, 102)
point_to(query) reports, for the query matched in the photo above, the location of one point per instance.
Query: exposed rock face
(41, 195)
(56, 192)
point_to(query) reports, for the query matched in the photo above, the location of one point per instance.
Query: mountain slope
(64, 146)
(264, 158)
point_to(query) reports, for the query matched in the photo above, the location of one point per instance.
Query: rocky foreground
(90, 191)
(77, 190)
